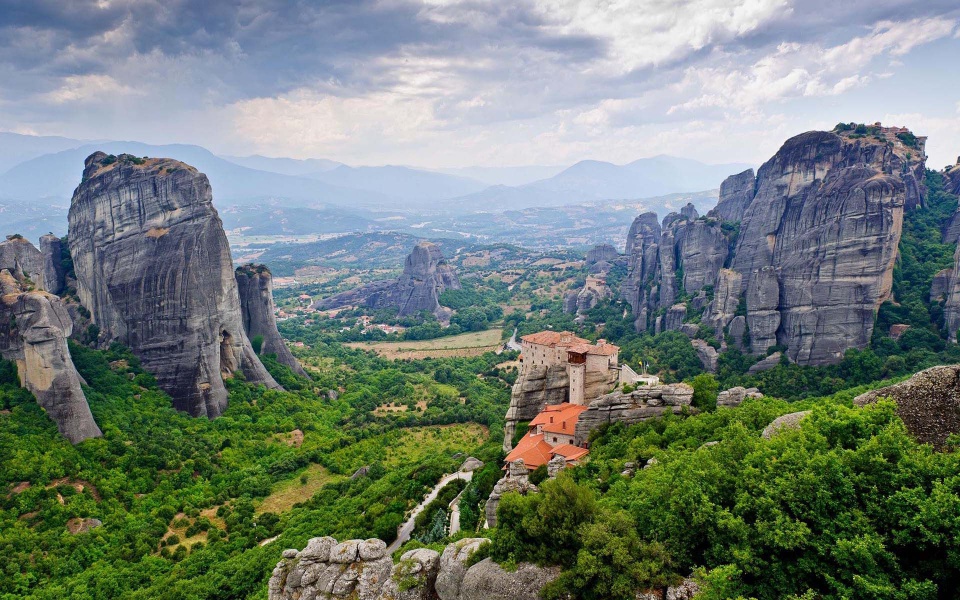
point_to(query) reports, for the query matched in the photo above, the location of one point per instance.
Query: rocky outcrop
(765, 364)
(928, 403)
(946, 285)
(602, 253)
(537, 386)
(814, 252)
(953, 178)
(426, 275)
(640, 286)
(516, 479)
(783, 423)
(642, 404)
(255, 287)
(153, 268)
(736, 195)
(707, 354)
(487, 580)
(23, 261)
(34, 327)
(736, 395)
(325, 570)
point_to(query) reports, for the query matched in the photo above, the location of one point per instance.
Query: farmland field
(465, 344)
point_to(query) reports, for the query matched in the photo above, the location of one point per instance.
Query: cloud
(453, 81)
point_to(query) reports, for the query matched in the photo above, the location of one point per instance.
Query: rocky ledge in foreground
(153, 267)
(928, 403)
(642, 404)
(325, 569)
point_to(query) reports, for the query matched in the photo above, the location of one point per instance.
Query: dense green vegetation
(848, 506)
(178, 497)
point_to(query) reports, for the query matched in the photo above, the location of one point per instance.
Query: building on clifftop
(551, 434)
(578, 355)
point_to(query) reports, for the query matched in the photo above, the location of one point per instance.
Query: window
(554, 439)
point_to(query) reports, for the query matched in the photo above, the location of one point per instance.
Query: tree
(705, 388)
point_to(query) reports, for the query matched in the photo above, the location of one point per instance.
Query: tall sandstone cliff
(801, 256)
(255, 286)
(153, 267)
(426, 275)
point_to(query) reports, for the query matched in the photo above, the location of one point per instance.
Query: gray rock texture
(23, 261)
(818, 243)
(54, 275)
(602, 253)
(487, 580)
(819, 228)
(426, 275)
(784, 422)
(644, 403)
(453, 567)
(153, 267)
(736, 194)
(690, 212)
(928, 403)
(255, 287)
(537, 386)
(708, 355)
(947, 286)
(34, 327)
(516, 479)
(736, 395)
(765, 364)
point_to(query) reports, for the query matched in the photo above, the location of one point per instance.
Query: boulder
(765, 364)
(690, 212)
(24, 262)
(414, 577)
(453, 567)
(487, 580)
(372, 549)
(471, 464)
(602, 253)
(707, 354)
(154, 269)
(736, 395)
(928, 403)
(788, 421)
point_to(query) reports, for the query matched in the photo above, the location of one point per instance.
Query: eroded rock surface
(153, 267)
(34, 327)
(255, 286)
(426, 275)
(736, 395)
(783, 423)
(644, 403)
(736, 194)
(928, 403)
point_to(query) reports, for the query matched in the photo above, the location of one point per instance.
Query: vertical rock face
(953, 177)
(51, 247)
(819, 229)
(153, 267)
(602, 253)
(426, 275)
(34, 327)
(736, 194)
(643, 247)
(255, 286)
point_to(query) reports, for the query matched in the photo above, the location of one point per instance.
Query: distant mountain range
(42, 172)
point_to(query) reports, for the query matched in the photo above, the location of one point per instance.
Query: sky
(452, 83)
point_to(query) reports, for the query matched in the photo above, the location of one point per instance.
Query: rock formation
(426, 275)
(953, 178)
(642, 404)
(736, 195)
(783, 423)
(54, 275)
(736, 395)
(359, 569)
(517, 480)
(813, 253)
(928, 403)
(24, 262)
(153, 267)
(255, 286)
(34, 327)
(600, 259)
(946, 285)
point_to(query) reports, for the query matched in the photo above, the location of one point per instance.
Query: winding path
(403, 534)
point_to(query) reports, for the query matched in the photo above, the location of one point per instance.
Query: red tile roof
(604, 350)
(570, 452)
(533, 449)
(561, 414)
(554, 338)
